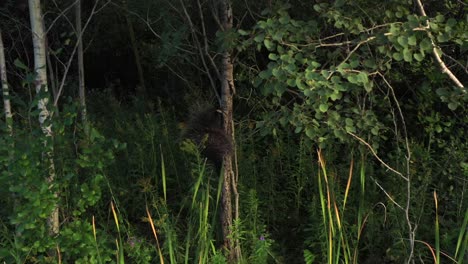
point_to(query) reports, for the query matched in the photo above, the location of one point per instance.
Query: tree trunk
(81, 79)
(141, 89)
(37, 28)
(227, 92)
(6, 92)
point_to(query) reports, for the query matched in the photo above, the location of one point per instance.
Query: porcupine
(205, 129)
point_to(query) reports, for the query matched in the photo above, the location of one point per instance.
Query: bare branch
(439, 60)
(387, 194)
(62, 83)
(200, 50)
(377, 156)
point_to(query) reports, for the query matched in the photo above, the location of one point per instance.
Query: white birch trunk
(38, 34)
(5, 91)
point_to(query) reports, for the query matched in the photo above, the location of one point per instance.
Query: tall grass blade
(462, 243)
(437, 238)
(163, 175)
(120, 250)
(150, 219)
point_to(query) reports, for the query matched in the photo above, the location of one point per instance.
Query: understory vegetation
(350, 134)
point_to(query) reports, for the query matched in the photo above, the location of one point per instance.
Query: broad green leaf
(336, 96)
(352, 78)
(20, 65)
(442, 37)
(397, 56)
(368, 86)
(403, 41)
(278, 35)
(269, 44)
(362, 77)
(259, 38)
(291, 68)
(300, 84)
(440, 18)
(265, 74)
(407, 55)
(452, 106)
(425, 45)
(353, 63)
(418, 56)
(323, 107)
(412, 41)
(451, 22)
(284, 20)
(242, 32)
(273, 56)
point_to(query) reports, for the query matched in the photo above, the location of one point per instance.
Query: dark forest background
(350, 124)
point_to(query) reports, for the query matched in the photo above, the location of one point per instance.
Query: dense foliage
(350, 133)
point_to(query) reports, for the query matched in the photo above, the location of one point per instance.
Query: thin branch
(387, 194)
(200, 50)
(411, 228)
(377, 156)
(439, 60)
(67, 68)
(205, 41)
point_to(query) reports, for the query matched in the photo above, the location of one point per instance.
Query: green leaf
(20, 65)
(397, 56)
(309, 132)
(351, 129)
(433, 26)
(353, 63)
(273, 56)
(369, 63)
(452, 106)
(257, 81)
(352, 78)
(259, 38)
(442, 37)
(362, 77)
(403, 41)
(440, 18)
(292, 68)
(242, 32)
(269, 44)
(451, 22)
(284, 20)
(323, 108)
(418, 56)
(407, 55)
(425, 45)
(265, 74)
(278, 35)
(336, 96)
(368, 86)
(412, 41)
(300, 84)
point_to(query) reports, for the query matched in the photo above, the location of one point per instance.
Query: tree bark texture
(38, 35)
(5, 91)
(81, 78)
(227, 93)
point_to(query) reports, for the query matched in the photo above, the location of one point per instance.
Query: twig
(387, 194)
(62, 83)
(377, 156)
(200, 50)
(439, 60)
